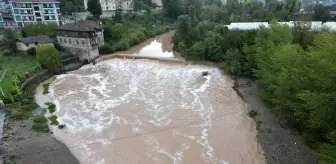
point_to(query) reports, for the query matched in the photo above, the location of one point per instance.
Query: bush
(31, 51)
(52, 108)
(252, 113)
(105, 49)
(46, 88)
(53, 120)
(40, 127)
(122, 45)
(40, 119)
(18, 114)
(29, 107)
(7, 53)
(61, 126)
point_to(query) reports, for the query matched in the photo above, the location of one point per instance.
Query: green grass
(46, 88)
(40, 127)
(326, 154)
(40, 119)
(52, 108)
(20, 63)
(53, 120)
(23, 111)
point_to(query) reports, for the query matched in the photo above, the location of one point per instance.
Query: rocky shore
(280, 145)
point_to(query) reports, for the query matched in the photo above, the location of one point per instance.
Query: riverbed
(148, 111)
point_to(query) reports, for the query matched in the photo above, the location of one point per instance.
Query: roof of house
(36, 39)
(34, 1)
(85, 25)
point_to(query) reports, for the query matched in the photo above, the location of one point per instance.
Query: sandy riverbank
(280, 145)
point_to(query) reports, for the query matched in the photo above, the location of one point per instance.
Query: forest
(296, 67)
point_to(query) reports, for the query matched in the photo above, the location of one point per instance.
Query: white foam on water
(129, 97)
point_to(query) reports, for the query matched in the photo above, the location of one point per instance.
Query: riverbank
(22, 145)
(280, 145)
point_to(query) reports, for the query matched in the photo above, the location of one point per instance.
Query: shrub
(7, 53)
(61, 126)
(31, 51)
(29, 107)
(252, 113)
(52, 108)
(40, 119)
(53, 120)
(46, 88)
(122, 45)
(105, 49)
(40, 127)
(18, 114)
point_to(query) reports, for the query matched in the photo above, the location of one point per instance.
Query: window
(60, 40)
(64, 40)
(58, 11)
(77, 41)
(82, 42)
(20, 24)
(17, 18)
(57, 5)
(69, 41)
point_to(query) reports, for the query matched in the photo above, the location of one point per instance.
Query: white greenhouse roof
(315, 25)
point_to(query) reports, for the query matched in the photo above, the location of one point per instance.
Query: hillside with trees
(295, 66)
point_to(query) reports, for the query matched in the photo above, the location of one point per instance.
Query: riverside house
(81, 39)
(24, 44)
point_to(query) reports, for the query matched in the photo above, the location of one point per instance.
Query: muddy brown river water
(140, 111)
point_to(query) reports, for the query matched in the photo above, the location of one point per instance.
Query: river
(150, 111)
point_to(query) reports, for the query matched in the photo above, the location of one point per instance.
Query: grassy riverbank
(27, 137)
(19, 64)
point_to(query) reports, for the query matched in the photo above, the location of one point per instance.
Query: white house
(24, 44)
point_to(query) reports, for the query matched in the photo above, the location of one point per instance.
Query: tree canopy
(94, 8)
(39, 28)
(48, 56)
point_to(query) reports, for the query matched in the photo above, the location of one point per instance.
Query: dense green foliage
(295, 66)
(39, 28)
(23, 112)
(69, 6)
(48, 56)
(20, 65)
(132, 30)
(94, 8)
(9, 39)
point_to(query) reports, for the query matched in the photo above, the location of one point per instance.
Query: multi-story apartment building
(34, 10)
(81, 39)
(109, 7)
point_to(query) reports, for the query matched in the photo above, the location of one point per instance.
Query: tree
(70, 6)
(48, 56)
(9, 41)
(94, 8)
(39, 28)
(321, 13)
(117, 31)
(172, 8)
(107, 33)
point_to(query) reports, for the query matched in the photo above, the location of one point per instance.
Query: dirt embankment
(280, 145)
(22, 145)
